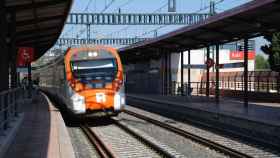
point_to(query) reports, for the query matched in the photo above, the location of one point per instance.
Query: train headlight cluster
(92, 54)
(78, 103)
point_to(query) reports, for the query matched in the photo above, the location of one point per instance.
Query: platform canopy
(38, 22)
(250, 20)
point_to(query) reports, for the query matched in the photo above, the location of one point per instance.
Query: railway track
(102, 149)
(221, 144)
(116, 139)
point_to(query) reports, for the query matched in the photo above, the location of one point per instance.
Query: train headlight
(92, 54)
(78, 103)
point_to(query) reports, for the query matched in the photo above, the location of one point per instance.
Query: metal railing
(199, 88)
(9, 106)
(258, 81)
(193, 89)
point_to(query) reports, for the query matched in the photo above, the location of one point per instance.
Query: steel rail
(144, 140)
(196, 138)
(103, 150)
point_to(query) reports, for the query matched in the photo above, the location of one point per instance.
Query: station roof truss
(250, 20)
(38, 22)
(136, 18)
(103, 41)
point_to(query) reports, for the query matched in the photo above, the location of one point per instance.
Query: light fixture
(92, 54)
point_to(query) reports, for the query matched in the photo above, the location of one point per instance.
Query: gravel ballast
(179, 143)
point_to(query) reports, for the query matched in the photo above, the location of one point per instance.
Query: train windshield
(102, 71)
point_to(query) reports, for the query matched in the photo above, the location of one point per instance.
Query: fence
(9, 106)
(261, 81)
(258, 81)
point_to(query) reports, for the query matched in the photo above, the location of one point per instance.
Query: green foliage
(273, 51)
(261, 62)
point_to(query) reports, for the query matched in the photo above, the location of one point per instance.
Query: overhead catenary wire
(104, 9)
(84, 10)
(126, 27)
(163, 26)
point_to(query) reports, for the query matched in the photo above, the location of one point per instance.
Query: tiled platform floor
(42, 134)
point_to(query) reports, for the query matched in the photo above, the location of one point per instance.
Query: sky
(140, 6)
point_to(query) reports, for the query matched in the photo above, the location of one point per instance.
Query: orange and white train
(88, 80)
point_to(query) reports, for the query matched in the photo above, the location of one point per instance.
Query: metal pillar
(182, 73)
(4, 68)
(4, 59)
(246, 73)
(164, 73)
(217, 91)
(171, 5)
(189, 72)
(29, 80)
(169, 73)
(212, 8)
(207, 72)
(88, 33)
(11, 18)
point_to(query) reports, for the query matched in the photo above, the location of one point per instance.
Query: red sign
(25, 56)
(239, 55)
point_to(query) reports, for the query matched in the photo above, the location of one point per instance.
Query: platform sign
(25, 56)
(231, 65)
(197, 66)
(22, 70)
(239, 55)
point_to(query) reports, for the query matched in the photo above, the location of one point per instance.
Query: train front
(95, 77)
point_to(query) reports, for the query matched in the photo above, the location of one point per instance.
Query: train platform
(257, 118)
(260, 112)
(42, 133)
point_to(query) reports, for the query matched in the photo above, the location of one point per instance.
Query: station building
(231, 53)
(160, 73)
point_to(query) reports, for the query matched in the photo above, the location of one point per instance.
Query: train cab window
(95, 73)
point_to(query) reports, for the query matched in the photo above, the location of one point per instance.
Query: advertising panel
(239, 55)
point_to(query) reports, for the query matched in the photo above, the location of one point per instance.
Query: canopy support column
(217, 91)
(182, 73)
(207, 72)
(246, 73)
(11, 18)
(4, 59)
(29, 80)
(189, 73)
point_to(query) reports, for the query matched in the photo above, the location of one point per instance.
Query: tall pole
(212, 8)
(217, 91)
(166, 73)
(4, 64)
(189, 71)
(169, 73)
(246, 73)
(171, 5)
(88, 33)
(207, 72)
(12, 48)
(29, 80)
(182, 73)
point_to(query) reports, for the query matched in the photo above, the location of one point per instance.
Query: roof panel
(39, 21)
(17, 2)
(24, 15)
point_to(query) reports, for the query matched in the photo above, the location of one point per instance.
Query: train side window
(64, 71)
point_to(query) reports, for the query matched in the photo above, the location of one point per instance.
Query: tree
(273, 50)
(261, 62)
